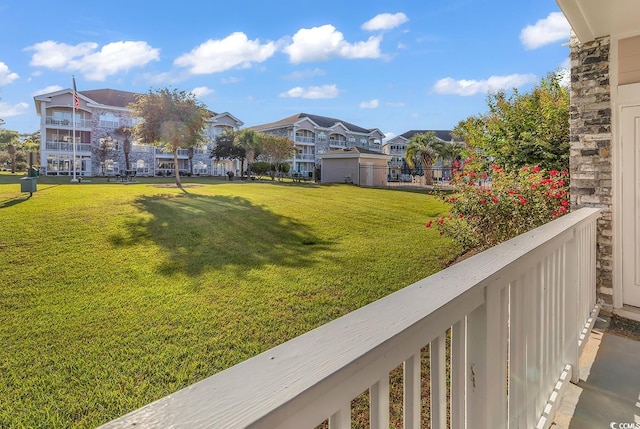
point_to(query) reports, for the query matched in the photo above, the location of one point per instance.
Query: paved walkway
(609, 388)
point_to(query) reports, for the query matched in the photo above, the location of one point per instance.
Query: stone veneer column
(590, 157)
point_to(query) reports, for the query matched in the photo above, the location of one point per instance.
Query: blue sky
(393, 65)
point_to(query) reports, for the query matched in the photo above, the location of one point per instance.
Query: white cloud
(551, 29)
(235, 50)
(94, 65)
(305, 74)
(471, 87)
(7, 110)
(48, 89)
(6, 75)
(369, 104)
(385, 21)
(201, 91)
(325, 91)
(564, 73)
(325, 42)
(230, 80)
(389, 135)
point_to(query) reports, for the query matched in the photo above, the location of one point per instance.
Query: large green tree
(421, 150)
(275, 150)
(171, 118)
(226, 149)
(523, 128)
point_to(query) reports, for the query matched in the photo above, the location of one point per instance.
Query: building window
(109, 120)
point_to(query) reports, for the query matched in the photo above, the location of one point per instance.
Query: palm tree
(420, 149)
(125, 134)
(448, 152)
(248, 140)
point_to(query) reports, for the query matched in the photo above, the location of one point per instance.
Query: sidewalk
(609, 387)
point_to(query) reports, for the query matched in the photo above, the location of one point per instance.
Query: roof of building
(353, 150)
(445, 135)
(321, 121)
(110, 97)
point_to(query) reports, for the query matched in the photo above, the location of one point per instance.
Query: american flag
(76, 99)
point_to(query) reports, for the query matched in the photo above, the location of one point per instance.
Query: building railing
(80, 123)
(514, 315)
(168, 154)
(338, 143)
(68, 147)
(305, 139)
(305, 156)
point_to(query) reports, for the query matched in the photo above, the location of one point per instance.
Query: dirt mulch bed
(624, 328)
(173, 185)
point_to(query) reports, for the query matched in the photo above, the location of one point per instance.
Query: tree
(9, 142)
(275, 149)
(420, 149)
(448, 152)
(225, 149)
(170, 118)
(124, 133)
(260, 168)
(247, 139)
(523, 129)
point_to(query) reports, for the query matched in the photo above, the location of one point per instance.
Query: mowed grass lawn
(112, 295)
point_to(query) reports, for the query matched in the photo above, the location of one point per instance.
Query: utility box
(28, 184)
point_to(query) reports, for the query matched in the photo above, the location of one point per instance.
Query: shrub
(488, 208)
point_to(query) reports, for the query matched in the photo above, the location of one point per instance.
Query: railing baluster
(458, 374)
(341, 419)
(412, 392)
(379, 404)
(438, 374)
(496, 400)
(517, 353)
(476, 382)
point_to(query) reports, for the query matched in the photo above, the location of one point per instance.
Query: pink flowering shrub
(488, 208)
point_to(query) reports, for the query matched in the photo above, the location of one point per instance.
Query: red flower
(555, 214)
(564, 173)
(482, 201)
(553, 173)
(523, 201)
(534, 186)
(564, 203)
(511, 192)
(495, 199)
(535, 169)
(428, 224)
(484, 175)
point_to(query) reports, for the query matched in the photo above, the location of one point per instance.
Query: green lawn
(112, 295)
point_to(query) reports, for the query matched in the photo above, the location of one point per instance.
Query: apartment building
(314, 135)
(397, 149)
(98, 145)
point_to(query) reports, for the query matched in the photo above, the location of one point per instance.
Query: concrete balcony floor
(609, 388)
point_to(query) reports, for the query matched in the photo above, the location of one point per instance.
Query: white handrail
(516, 311)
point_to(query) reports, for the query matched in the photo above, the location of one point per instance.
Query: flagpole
(73, 138)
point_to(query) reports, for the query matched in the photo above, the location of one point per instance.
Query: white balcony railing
(515, 314)
(68, 147)
(305, 140)
(68, 123)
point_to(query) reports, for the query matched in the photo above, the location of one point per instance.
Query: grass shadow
(13, 201)
(201, 232)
